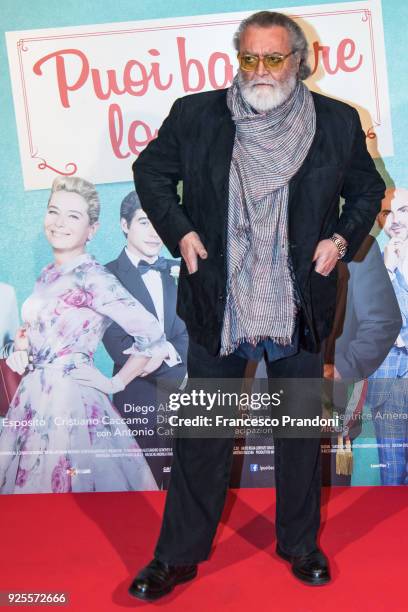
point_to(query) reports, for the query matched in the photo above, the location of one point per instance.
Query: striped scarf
(269, 149)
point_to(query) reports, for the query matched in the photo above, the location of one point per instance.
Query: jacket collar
(124, 263)
(221, 150)
(131, 279)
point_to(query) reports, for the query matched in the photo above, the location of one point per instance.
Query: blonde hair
(83, 188)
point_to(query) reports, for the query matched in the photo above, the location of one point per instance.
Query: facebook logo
(254, 467)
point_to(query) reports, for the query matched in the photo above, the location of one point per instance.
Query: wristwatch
(340, 243)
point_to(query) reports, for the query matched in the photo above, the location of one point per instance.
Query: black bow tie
(144, 266)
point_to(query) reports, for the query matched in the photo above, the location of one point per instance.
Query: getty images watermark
(218, 413)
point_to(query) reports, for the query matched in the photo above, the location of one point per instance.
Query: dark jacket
(195, 145)
(116, 340)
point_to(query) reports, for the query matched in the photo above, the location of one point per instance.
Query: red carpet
(90, 545)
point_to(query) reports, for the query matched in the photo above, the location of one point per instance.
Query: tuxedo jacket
(116, 340)
(194, 145)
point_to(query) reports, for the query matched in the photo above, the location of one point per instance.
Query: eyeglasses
(272, 62)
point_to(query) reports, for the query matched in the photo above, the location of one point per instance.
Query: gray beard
(264, 99)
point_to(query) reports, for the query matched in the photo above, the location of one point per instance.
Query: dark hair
(266, 19)
(130, 204)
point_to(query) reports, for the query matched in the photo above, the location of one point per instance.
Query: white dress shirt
(154, 284)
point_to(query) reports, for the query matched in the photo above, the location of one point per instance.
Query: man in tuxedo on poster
(152, 280)
(263, 165)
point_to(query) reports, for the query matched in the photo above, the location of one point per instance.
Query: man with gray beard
(259, 230)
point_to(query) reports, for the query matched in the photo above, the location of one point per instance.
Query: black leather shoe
(158, 579)
(312, 569)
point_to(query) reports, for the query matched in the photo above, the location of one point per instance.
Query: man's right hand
(191, 246)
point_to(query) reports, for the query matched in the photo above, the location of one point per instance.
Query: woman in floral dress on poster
(61, 432)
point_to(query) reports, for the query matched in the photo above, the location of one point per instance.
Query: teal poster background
(24, 250)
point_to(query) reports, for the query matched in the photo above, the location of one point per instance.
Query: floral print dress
(58, 435)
